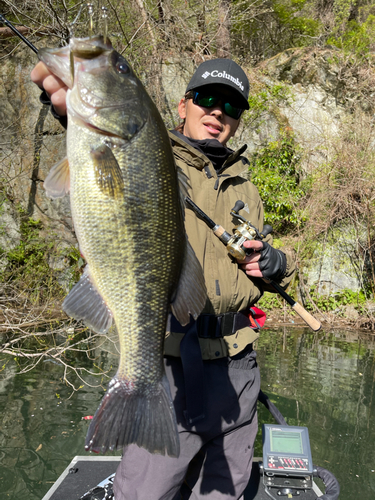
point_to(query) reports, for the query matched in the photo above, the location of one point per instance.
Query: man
(210, 364)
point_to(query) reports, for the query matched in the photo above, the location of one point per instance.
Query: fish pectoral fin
(85, 303)
(107, 171)
(191, 293)
(57, 182)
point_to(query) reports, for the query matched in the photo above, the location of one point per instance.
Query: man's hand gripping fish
(128, 219)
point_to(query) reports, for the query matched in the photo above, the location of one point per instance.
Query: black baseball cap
(223, 72)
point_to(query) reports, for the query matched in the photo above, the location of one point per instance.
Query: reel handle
(238, 206)
(267, 229)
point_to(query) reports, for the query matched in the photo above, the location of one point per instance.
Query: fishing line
(90, 8)
(105, 23)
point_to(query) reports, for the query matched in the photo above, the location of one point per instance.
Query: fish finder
(287, 461)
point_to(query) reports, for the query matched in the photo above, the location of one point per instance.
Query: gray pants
(216, 452)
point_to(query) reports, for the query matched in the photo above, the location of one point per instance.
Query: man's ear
(182, 109)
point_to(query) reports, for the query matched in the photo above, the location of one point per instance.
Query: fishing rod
(234, 244)
(90, 12)
(16, 32)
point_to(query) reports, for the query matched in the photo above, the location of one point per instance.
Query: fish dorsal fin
(107, 171)
(191, 293)
(57, 182)
(85, 303)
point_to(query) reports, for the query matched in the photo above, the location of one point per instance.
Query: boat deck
(85, 472)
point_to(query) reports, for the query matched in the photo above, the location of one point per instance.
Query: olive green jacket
(229, 288)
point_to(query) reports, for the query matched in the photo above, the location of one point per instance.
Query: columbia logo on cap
(223, 74)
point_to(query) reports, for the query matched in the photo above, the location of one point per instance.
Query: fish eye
(122, 67)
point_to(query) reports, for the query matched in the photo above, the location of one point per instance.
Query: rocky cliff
(308, 92)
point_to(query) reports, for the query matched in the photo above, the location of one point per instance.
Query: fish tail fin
(127, 416)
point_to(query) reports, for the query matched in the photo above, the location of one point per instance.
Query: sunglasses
(209, 101)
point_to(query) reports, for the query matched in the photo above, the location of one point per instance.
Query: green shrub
(270, 301)
(28, 258)
(357, 38)
(334, 301)
(27, 266)
(275, 172)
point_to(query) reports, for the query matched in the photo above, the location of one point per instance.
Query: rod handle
(313, 323)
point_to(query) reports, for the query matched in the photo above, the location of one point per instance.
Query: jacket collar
(198, 160)
(232, 159)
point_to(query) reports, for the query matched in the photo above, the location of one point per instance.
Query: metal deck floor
(85, 472)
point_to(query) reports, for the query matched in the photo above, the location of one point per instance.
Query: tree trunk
(146, 23)
(203, 38)
(223, 34)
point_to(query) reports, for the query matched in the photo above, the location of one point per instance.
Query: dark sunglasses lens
(232, 111)
(208, 101)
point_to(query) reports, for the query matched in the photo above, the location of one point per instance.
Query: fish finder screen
(286, 442)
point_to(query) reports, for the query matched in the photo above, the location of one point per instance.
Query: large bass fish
(127, 214)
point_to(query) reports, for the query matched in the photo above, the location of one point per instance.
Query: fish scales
(137, 243)
(126, 209)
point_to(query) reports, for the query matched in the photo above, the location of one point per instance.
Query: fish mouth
(83, 122)
(99, 130)
(95, 101)
(85, 108)
(133, 130)
(90, 48)
(89, 74)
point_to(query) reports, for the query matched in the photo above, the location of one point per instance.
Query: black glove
(44, 99)
(272, 262)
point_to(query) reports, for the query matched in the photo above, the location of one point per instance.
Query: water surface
(324, 381)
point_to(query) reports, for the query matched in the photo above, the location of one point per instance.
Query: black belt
(211, 326)
(206, 326)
